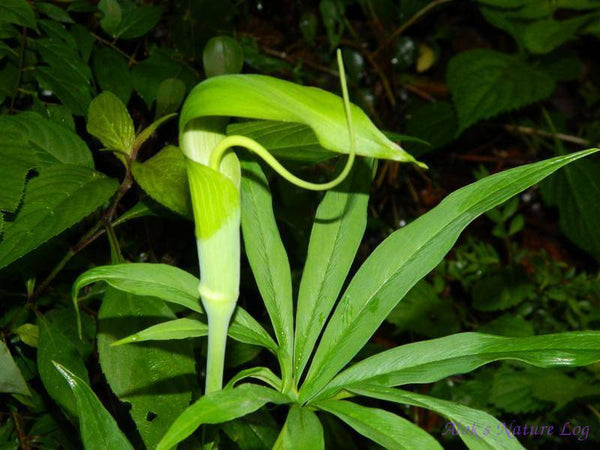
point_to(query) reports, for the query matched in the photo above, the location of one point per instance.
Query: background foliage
(487, 84)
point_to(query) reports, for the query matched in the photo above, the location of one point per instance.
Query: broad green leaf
(164, 178)
(67, 75)
(11, 379)
(489, 433)
(169, 96)
(267, 256)
(302, 430)
(59, 114)
(57, 199)
(433, 360)
(112, 73)
(28, 333)
(18, 12)
(158, 379)
(110, 122)
(222, 55)
(59, 342)
(263, 97)
(256, 431)
(98, 428)
(337, 231)
(407, 256)
(53, 144)
(54, 12)
(15, 162)
(171, 285)
(112, 15)
(136, 22)
(387, 429)
(165, 331)
(218, 407)
(543, 36)
(286, 140)
(509, 325)
(575, 191)
(485, 83)
(150, 73)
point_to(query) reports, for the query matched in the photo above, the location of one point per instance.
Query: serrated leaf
(218, 407)
(54, 201)
(18, 12)
(11, 379)
(485, 83)
(110, 122)
(511, 391)
(99, 431)
(156, 380)
(575, 192)
(15, 162)
(164, 178)
(508, 325)
(70, 89)
(53, 143)
(112, 73)
(543, 36)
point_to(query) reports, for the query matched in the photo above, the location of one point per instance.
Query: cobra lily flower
(214, 174)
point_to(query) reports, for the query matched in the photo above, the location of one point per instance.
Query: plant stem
(219, 314)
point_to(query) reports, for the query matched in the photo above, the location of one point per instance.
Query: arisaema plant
(318, 336)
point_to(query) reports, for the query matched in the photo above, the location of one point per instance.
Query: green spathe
(264, 97)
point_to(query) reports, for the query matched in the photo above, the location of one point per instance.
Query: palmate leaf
(264, 97)
(57, 199)
(218, 407)
(172, 285)
(489, 433)
(338, 229)
(99, 431)
(433, 360)
(485, 83)
(407, 256)
(387, 429)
